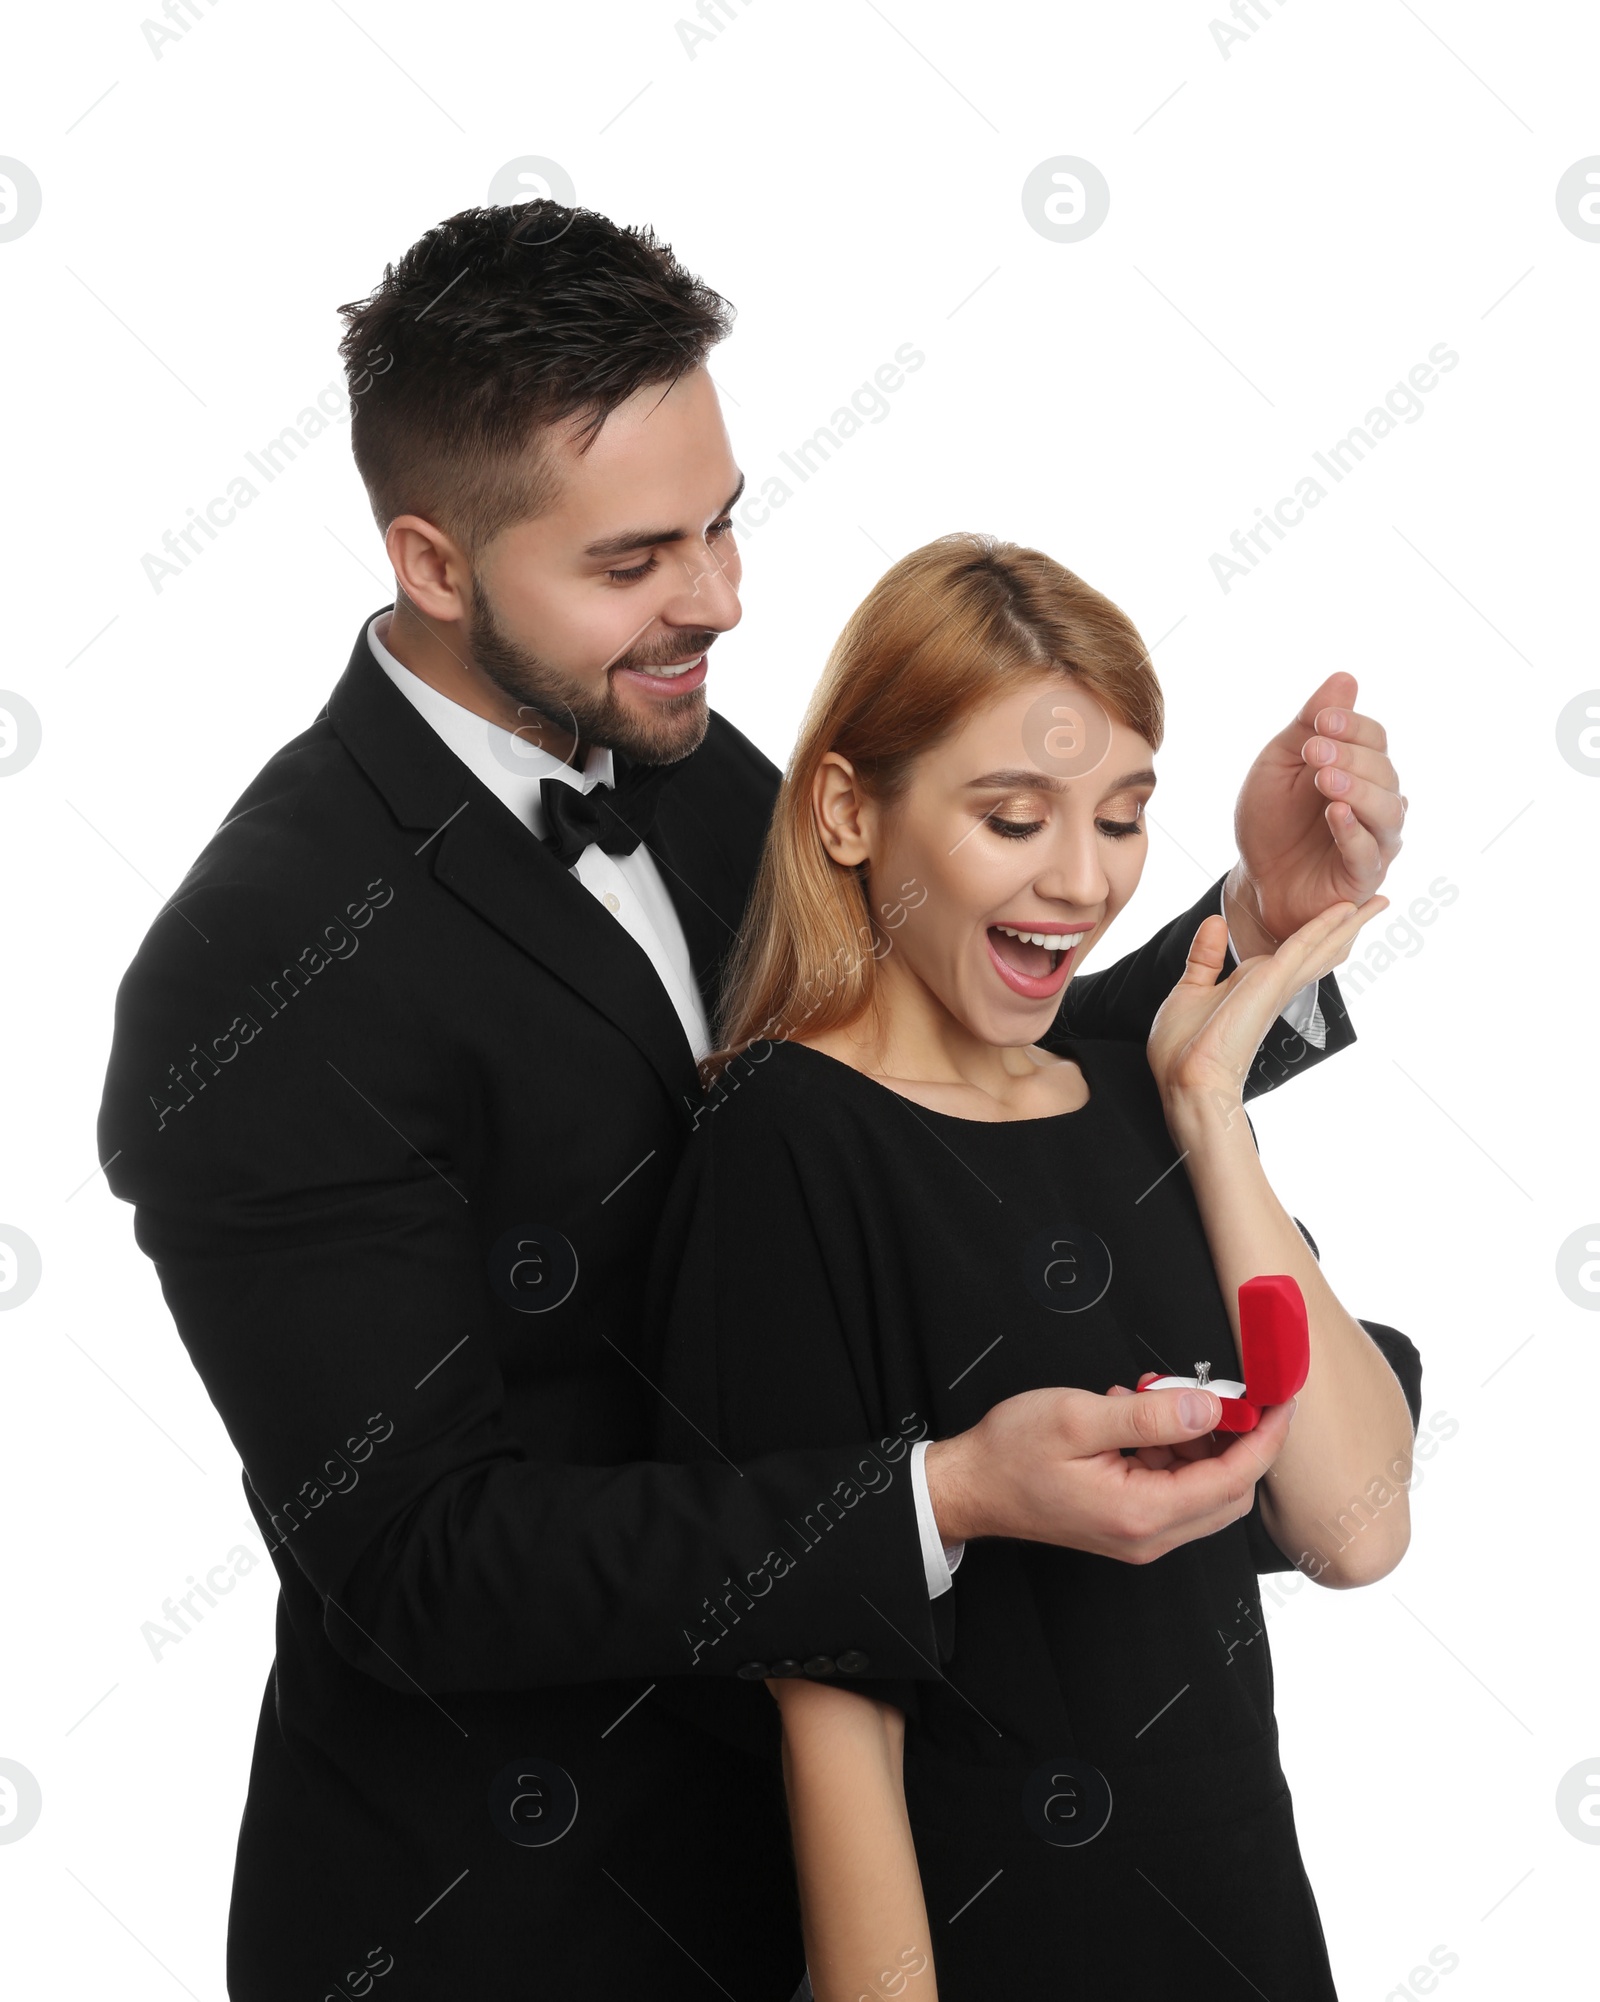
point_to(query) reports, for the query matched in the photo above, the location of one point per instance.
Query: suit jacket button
(820, 1664)
(753, 1671)
(784, 1667)
(852, 1662)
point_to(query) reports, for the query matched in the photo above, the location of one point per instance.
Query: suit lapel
(500, 869)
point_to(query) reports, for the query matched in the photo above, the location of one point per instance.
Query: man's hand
(1048, 1466)
(1318, 820)
(1158, 1457)
(1186, 1449)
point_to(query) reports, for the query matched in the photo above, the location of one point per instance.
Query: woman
(898, 1202)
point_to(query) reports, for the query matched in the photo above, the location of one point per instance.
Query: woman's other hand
(1206, 1033)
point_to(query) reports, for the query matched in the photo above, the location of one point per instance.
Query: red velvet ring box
(1275, 1344)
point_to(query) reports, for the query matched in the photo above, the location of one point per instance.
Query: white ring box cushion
(1275, 1344)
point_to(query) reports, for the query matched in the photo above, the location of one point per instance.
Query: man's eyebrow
(647, 538)
(1024, 778)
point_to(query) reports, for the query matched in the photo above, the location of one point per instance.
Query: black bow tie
(615, 818)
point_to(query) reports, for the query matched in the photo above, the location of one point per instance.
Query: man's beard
(593, 716)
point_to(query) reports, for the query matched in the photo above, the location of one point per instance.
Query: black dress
(1093, 1781)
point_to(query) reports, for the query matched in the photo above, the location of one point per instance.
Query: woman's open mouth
(1035, 964)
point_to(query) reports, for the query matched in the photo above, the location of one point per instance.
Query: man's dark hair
(497, 324)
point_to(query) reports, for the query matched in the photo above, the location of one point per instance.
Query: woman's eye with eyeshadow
(1016, 819)
(1117, 826)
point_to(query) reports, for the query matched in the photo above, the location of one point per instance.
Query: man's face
(632, 569)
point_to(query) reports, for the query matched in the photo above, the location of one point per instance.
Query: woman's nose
(1074, 872)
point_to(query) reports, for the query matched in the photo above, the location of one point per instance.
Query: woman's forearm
(1335, 1502)
(862, 1913)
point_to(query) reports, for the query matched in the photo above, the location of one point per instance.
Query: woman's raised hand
(1206, 1033)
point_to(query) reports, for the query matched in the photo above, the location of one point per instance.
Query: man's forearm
(525, 1574)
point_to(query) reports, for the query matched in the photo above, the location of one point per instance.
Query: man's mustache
(688, 647)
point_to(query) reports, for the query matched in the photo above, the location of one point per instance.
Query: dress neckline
(1069, 1046)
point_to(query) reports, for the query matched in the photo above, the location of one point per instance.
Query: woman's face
(1027, 820)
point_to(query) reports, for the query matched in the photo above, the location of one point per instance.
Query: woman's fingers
(1318, 945)
(1209, 1029)
(1259, 989)
(1207, 950)
(1338, 932)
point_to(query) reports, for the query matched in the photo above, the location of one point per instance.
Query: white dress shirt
(629, 886)
(631, 889)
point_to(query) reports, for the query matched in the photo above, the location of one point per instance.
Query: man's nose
(708, 594)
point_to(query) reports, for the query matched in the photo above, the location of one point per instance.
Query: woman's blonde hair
(948, 628)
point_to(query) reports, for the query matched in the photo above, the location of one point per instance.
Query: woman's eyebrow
(1025, 778)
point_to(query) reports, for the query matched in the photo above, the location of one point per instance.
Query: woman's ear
(838, 804)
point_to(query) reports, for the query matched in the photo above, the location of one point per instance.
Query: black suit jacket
(398, 1103)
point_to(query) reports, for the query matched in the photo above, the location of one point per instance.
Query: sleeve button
(785, 1667)
(753, 1671)
(853, 1662)
(820, 1664)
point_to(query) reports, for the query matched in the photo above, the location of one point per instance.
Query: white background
(1293, 225)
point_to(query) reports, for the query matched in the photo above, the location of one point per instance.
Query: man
(398, 1084)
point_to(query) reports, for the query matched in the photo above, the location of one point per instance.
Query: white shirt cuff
(939, 1559)
(1302, 1011)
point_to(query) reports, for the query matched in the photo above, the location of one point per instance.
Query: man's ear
(838, 803)
(429, 566)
